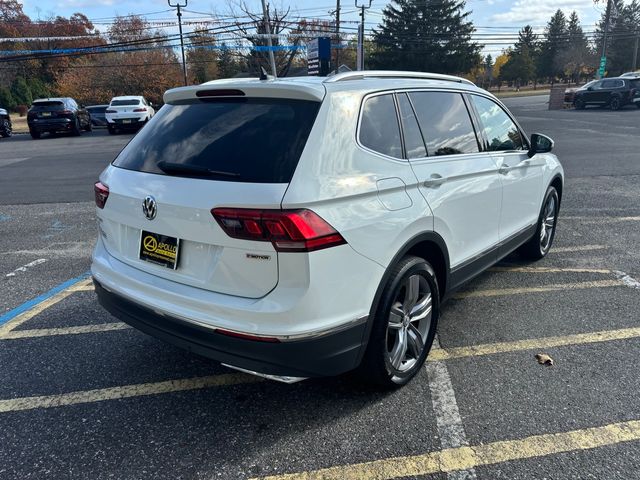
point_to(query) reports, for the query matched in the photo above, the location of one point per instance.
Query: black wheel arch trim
(419, 238)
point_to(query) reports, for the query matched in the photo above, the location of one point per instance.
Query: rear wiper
(180, 168)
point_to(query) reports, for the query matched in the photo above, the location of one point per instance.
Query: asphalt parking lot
(83, 396)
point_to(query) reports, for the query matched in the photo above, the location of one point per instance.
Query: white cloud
(524, 11)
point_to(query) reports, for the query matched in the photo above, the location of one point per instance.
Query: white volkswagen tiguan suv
(305, 227)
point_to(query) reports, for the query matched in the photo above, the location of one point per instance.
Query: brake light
(288, 230)
(140, 110)
(102, 193)
(110, 111)
(66, 112)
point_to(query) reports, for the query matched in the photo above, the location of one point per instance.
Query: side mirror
(540, 144)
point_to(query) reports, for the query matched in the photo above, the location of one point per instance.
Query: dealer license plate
(159, 249)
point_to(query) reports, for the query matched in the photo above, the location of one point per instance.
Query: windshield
(124, 103)
(256, 140)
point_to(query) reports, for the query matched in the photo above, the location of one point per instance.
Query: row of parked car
(64, 114)
(614, 93)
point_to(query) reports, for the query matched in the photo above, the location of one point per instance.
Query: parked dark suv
(5, 123)
(57, 115)
(612, 92)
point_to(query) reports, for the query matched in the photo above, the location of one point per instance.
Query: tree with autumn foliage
(141, 63)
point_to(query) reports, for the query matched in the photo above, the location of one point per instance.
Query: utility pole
(635, 53)
(360, 56)
(603, 58)
(338, 35)
(178, 5)
(267, 28)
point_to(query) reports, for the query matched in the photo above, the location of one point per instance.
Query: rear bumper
(327, 355)
(50, 125)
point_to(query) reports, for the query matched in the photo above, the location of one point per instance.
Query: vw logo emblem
(149, 207)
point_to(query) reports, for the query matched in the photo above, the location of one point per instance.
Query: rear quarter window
(259, 139)
(379, 129)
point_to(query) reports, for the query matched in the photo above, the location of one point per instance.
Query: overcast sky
(489, 16)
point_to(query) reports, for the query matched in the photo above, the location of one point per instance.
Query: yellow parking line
(543, 288)
(49, 332)
(83, 288)
(579, 248)
(603, 219)
(464, 458)
(124, 391)
(533, 344)
(548, 270)
(39, 308)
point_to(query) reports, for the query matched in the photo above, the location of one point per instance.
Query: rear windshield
(124, 103)
(97, 109)
(47, 105)
(255, 139)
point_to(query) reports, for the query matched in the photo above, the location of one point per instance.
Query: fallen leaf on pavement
(544, 359)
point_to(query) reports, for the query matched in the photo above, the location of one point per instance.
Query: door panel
(520, 175)
(460, 183)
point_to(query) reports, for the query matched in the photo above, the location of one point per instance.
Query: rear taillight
(102, 193)
(140, 110)
(110, 111)
(66, 112)
(288, 230)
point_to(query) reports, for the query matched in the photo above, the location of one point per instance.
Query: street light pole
(267, 28)
(360, 55)
(178, 5)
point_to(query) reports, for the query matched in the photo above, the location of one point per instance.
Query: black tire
(579, 104)
(614, 104)
(5, 128)
(89, 126)
(378, 363)
(34, 134)
(638, 104)
(112, 130)
(76, 131)
(539, 245)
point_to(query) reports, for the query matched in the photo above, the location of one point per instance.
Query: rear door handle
(435, 181)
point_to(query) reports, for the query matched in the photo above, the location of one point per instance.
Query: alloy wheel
(548, 223)
(409, 323)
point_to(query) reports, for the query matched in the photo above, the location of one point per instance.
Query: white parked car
(306, 227)
(128, 113)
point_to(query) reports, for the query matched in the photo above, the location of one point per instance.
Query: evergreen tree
(6, 99)
(553, 43)
(621, 42)
(425, 35)
(202, 58)
(20, 92)
(521, 66)
(577, 56)
(227, 64)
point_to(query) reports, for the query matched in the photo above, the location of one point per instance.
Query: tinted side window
(499, 129)
(445, 123)
(608, 84)
(379, 129)
(634, 83)
(413, 141)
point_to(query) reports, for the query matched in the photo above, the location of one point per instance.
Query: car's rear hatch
(48, 110)
(195, 155)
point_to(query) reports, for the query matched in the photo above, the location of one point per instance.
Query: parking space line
(603, 219)
(30, 309)
(519, 269)
(125, 391)
(534, 344)
(578, 248)
(543, 288)
(464, 458)
(445, 407)
(52, 332)
(83, 288)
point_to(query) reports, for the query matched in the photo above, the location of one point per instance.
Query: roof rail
(362, 74)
